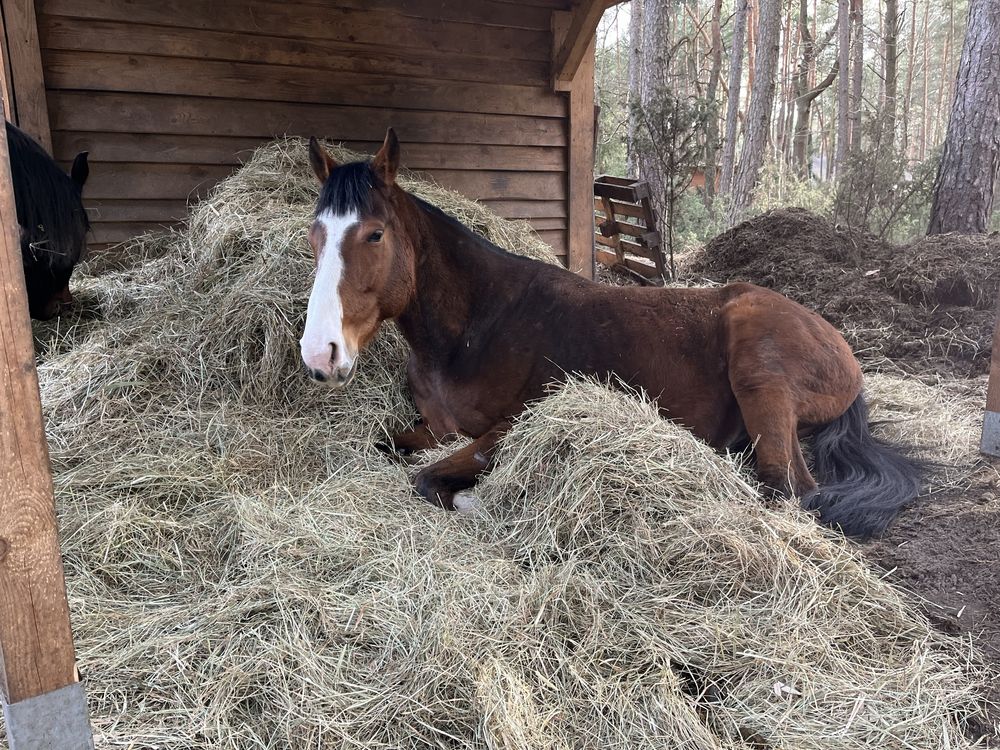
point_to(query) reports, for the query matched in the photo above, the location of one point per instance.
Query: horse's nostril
(318, 375)
(333, 351)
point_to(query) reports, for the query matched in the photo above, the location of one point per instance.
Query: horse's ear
(80, 169)
(322, 163)
(386, 161)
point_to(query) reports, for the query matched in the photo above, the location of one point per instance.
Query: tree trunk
(759, 112)
(857, 71)
(924, 113)
(963, 190)
(712, 136)
(634, 84)
(733, 96)
(655, 64)
(843, 84)
(891, 38)
(804, 96)
(910, 65)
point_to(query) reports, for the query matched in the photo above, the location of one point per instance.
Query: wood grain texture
(580, 236)
(577, 41)
(36, 644)
(233, 151)
(57, 33)
(26, 81)
(993, 389)
(321, 21)
(98, 71)
(147, 113)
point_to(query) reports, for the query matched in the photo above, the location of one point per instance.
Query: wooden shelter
(493, 98)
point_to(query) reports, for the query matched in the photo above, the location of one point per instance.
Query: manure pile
(244, 570)
(927, 306)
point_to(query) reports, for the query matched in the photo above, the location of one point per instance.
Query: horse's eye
(375, 236)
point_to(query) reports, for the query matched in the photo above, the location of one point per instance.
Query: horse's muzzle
(340, 377)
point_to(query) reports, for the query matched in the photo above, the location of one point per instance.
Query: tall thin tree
(634, 82)
(843, 83)
(733, 96)
(712, 136)
(963, 190)
(857, 71)
(759, 111)
(890, 35)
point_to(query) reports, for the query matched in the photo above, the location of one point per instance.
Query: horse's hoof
(430, 491)
(388, 449)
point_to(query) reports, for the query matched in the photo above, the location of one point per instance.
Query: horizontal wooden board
(621, 209)
(98, 71)
(148, 113)
(109, 234)
(502, 185)
(554, 238)
(527, 209)
(487, 12)
(321, 21)
(105, 232)
(610, 259)
(151, 181)
(92, 35)
(192, 149)
(152, 147)
(104, 210)
(118, 180)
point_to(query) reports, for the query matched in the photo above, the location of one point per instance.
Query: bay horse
(52, 219)
(489, 332)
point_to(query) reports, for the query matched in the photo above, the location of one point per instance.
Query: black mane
(433, 210)
(49, 205)
(349, 188)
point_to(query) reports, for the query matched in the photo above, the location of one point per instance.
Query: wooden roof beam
(586, 14)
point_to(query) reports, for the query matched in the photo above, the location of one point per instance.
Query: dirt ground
(926, 310)
(946, 550)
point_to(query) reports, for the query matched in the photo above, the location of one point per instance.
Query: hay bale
(245, 570)
(915, 309)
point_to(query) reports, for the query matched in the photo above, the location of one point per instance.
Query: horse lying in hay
(53, 222)
(489, 331)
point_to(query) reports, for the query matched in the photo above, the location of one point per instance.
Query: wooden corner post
(578, 80)
(44, 704)
(990, 444)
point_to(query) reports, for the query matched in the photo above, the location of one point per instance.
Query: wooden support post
(576, 41)
(36, 644)
(990, 444)
(26, 83)
(580, 196)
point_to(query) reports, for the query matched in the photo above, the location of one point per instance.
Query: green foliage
(668, 140)
(611, 95)
(880, 191)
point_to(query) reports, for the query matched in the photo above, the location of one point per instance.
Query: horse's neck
(459, 282)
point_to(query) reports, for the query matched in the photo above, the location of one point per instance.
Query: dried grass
(245, 570)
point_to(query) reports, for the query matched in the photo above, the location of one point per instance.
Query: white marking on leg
(325, 314)
(468, 503)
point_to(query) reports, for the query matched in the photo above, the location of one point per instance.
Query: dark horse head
(53, 222)
(364, 259)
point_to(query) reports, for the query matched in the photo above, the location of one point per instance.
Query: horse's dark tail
(863, 482)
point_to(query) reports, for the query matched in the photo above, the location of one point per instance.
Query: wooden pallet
(625, 227)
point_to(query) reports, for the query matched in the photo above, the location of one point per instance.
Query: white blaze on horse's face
(326, 349)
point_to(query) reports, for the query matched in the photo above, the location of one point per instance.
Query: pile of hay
(245, 570)
(925, 306)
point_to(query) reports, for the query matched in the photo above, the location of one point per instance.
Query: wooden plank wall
(169, 96)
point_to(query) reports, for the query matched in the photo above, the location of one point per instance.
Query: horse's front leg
(441, 481)
(405, 444)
